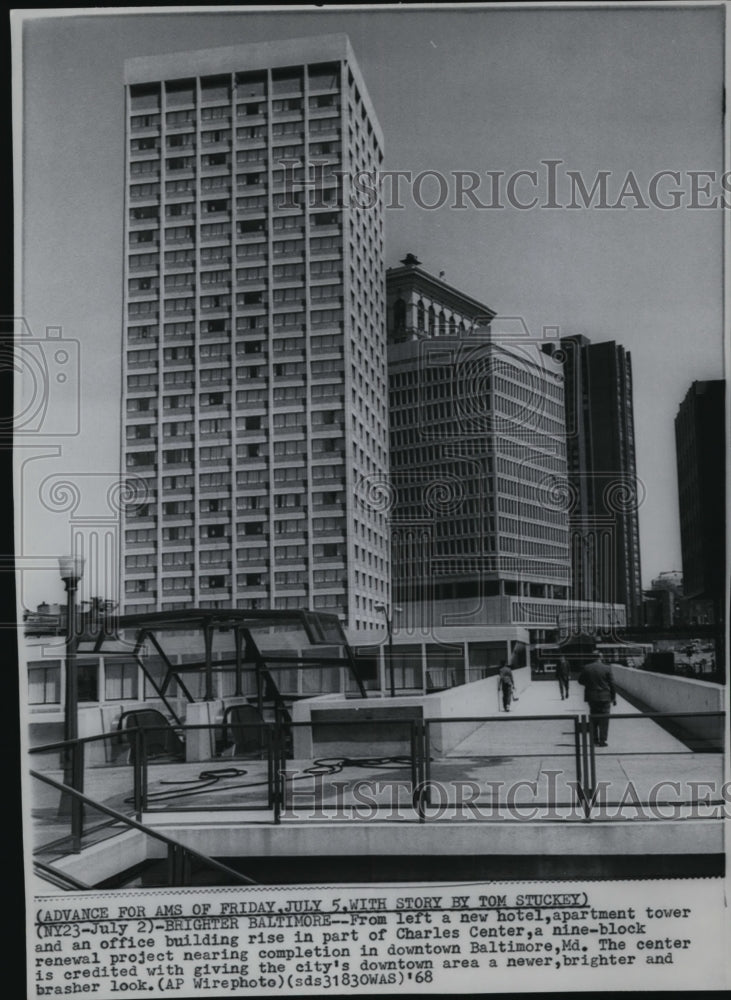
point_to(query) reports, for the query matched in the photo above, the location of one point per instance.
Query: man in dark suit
(563, 674)
(599, 692)
(506, 685)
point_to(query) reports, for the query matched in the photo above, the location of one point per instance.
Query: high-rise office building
(605, 492)
(701, 461)
(254, 372)
(477, 455)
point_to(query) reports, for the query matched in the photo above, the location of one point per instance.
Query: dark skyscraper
(700, 448)
(605, 492)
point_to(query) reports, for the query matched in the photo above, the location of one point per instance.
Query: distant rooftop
(411, 271)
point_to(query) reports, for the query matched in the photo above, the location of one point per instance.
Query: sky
(462, 89)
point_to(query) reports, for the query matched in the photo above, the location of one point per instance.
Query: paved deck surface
(641, 753)
(488, 765)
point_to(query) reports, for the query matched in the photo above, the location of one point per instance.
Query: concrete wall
(452, 839)
(449, 839)
(110, 857)
(665, 693)
(479, 698)
(200, 744)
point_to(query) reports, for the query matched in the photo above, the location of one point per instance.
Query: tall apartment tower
(605, 492)
(477, 452)
(254, 371)
(701, 461)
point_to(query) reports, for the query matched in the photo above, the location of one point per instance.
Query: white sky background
(474, 89)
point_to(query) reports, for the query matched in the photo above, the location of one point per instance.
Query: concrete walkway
(513, 747)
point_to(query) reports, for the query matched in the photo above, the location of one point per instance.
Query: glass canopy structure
(260, 652)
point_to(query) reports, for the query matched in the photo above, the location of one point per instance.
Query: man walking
(599, 692)
(563, 674)
(506, 683)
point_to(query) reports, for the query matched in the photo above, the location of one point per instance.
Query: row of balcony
(221, 137)
(258, 552)
(180, 301)
(258, 562)
(252, 249)
(254, 225)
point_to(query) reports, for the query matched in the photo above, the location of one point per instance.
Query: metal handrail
(135, 825)
(416, 754)
(669, 715)
(182, 727)
(115, 733)
(61, 880)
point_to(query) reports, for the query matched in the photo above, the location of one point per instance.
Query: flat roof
(276, 54)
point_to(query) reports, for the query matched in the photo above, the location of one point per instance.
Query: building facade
(478, 455)
(701, 462)
(254, 374)
(605, 491)
(663, 603)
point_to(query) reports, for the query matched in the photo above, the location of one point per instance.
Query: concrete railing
(666, 693)
(475, 699)
(479, 698)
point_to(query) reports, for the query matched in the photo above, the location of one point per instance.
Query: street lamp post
(71, 569)
(389, 633)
